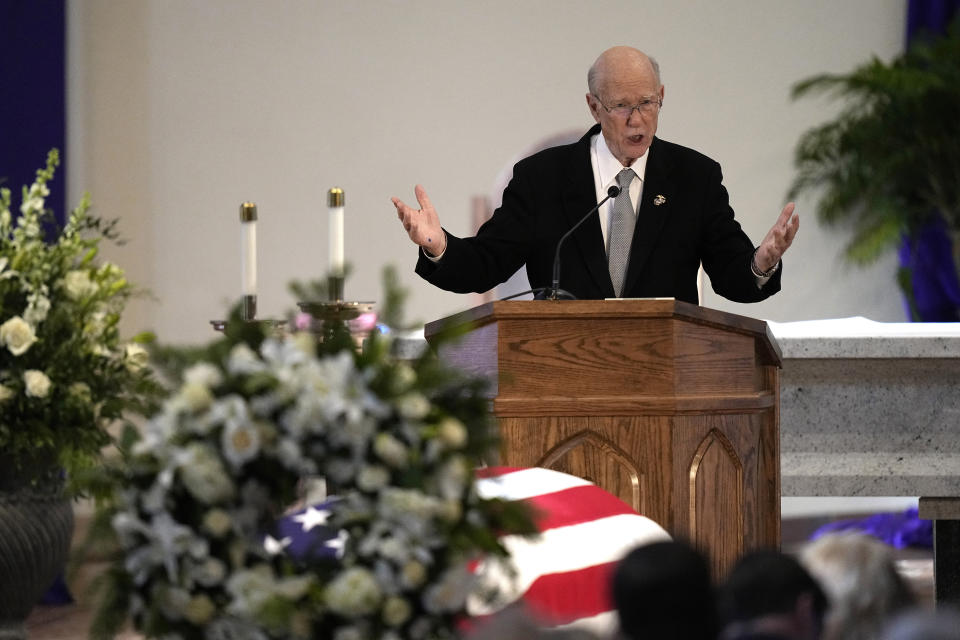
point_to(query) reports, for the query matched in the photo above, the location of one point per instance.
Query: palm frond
(891, 157)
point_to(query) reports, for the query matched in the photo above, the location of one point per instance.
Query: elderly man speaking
(671, 214)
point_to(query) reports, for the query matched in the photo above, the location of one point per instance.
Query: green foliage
(891, 158)
(314, 290)
(65, 373)
(394, 300)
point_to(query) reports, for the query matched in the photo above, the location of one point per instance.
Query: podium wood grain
(671, 407)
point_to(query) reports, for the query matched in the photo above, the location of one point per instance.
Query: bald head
(617, 62)
(625, 99)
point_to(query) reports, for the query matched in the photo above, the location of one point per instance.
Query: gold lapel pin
(659, 200)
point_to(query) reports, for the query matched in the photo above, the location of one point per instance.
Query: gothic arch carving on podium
(595, 452)
(716, 490)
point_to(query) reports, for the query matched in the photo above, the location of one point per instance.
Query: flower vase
(36, 524)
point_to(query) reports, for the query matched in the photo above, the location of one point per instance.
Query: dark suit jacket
(551, 190)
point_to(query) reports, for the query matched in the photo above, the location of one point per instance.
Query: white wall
(180, 110)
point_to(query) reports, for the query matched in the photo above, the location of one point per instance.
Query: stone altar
(869, 408)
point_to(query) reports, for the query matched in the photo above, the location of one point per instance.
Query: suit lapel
(654, 210)
(579, 197)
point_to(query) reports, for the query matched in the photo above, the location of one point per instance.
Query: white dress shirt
(605, 171)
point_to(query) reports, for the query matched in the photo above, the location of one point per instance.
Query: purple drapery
(899, 530)
(927, 254)
(33, 108)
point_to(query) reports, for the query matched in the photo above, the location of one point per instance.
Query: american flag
(305, 534)
(562, 576)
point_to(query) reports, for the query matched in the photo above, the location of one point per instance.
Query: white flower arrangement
(65, 375)
(196, 505)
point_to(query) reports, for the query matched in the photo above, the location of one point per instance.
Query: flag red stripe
(574, 506)
(559, 598)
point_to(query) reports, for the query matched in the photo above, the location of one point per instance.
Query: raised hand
(423, 224)
(778, 239)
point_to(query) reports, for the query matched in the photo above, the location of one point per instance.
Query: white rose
(305, 342)
(372, 477)
(294, 587)
(203, 373)
(452, 433)
(5, 393)
(413, 406)
(244, 360)
(38, 384)
(452, 477)
(194, 397)
(80, 391)
(173, 601)
(204, 476)
(413, 574)
(396, 611)
(399, 503)
(78, 284)
(210, 573)
(200, 609)
(404, 378)
(394, 549)
(217, 523)
(135, 357)
(390, 450)
(353, 593)
(17, 335)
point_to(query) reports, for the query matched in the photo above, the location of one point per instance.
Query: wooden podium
(672, 407)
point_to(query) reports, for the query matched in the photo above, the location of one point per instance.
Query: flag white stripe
(550, 553)
(603, 624)
(527, 483)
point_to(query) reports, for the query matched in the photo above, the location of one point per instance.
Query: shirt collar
(608, 166)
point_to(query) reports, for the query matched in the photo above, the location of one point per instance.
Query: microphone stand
(555, 292)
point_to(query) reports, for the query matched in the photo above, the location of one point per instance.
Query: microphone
(612, 192)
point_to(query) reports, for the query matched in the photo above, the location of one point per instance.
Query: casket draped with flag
(562, 576)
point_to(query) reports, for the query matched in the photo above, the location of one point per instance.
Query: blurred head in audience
(942, 624)
(860, 579)
(663, 590)
(770, 595)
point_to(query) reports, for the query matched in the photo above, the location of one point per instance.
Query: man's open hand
(778, 239)
(423, 224)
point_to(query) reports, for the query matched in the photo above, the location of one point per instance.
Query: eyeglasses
(647, 106)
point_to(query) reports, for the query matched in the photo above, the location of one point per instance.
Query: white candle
(335, 201)
(248, 248)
